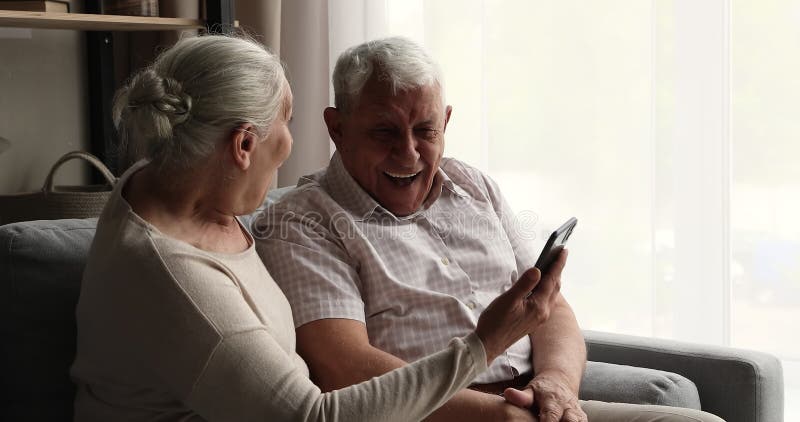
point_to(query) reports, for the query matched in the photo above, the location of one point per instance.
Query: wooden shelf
(88, 22)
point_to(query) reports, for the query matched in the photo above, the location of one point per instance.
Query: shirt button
(472, 305)
(445, 261)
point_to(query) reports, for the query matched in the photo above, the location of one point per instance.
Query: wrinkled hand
(518, 312)
(551, 396)
(512, 413)
(497, 409)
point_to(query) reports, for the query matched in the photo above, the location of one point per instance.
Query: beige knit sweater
(170, 332)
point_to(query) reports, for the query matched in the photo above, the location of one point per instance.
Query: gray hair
(400, 62)
(176, 110)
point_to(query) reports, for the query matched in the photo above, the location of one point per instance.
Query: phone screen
(554, 245)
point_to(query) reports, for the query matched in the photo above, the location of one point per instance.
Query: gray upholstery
(272, 196)
(629, 384)
(736, 385)
(41, 264)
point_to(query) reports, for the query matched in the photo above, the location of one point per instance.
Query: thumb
(523, 287)
(519, 398)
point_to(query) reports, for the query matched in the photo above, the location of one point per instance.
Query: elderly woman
(178, 319)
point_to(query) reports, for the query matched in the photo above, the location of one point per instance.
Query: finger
(523, 287)
(574, 415)
(559, 264)
(546, 289)
(551, 283)
(519, 398)
(550, 412)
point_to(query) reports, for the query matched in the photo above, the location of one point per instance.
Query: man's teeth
(401, 176)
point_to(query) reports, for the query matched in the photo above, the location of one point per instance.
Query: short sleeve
(308, 262)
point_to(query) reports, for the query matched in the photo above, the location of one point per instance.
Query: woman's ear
(242, 142)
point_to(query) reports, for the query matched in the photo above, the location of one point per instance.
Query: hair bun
(165, 94)
(177, 110)
(175, 102)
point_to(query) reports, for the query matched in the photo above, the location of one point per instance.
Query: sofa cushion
(272, 196)
(41, 264)
(627, 384)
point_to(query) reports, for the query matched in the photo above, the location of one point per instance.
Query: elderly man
(392, 250)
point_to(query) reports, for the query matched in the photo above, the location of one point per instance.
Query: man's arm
(559, 348)
(339, 354)
(558, 355)
(559, 359)
(558, 351)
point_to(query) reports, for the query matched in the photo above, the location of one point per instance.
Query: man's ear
(333, 119)
(447, 111)
(243, 141)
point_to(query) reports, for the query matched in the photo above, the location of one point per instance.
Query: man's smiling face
(392, 143)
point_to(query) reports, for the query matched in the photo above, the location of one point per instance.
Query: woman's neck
(189, 205)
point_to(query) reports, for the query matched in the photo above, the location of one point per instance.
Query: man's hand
(512, 413)
(476, 406)
(551, 395)
(521, 309)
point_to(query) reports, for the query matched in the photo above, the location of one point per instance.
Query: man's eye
(383, 132)
(428, 134)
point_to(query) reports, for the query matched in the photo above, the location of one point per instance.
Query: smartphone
(554, 245)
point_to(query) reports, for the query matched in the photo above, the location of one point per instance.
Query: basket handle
(48, 182)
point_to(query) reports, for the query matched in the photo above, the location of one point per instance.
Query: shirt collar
(351, 196)
(450, 186)
(346, 191)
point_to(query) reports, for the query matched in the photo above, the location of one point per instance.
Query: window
(669, 128)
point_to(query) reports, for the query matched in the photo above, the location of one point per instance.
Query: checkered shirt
(416, 281)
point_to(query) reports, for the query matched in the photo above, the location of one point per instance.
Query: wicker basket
(56, 202)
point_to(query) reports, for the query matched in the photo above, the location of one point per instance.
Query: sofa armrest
(734, 384)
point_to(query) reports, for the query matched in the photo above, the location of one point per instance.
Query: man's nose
(405, 149)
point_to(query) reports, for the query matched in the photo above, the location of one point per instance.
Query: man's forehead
(385, 103)
(427, 111)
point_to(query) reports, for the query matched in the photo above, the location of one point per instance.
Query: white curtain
(669, 128)
(298, 31)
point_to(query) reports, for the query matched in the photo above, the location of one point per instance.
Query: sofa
(41, 263)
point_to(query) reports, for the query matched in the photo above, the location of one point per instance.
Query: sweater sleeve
(250, 378)
(249, 374)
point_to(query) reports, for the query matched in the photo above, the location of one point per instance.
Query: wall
(43, 106)
(304, 49)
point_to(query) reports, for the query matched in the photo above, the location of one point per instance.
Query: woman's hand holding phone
(521, 309)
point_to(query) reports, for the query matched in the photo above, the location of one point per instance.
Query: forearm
(464, 406)
(362, 363)
(558, 346)
(468, 406)
(411, 392)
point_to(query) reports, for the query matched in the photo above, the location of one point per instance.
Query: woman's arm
(249, 377)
